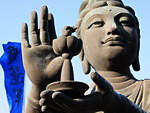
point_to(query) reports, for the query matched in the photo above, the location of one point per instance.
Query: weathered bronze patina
(108, 39)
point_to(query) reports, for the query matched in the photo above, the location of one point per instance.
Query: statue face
(109, 37)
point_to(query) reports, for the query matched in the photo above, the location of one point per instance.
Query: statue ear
(85, 64)
(136, 64)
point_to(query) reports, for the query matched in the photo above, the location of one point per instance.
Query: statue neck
(119, 80)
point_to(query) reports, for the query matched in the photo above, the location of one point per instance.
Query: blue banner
(14, 73)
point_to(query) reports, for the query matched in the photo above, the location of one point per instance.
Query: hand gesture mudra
(41, 63)
(57, 102)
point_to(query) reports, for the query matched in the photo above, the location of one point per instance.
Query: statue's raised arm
(43, 58)
(42, 65)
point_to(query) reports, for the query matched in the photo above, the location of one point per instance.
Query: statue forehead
(105, 11)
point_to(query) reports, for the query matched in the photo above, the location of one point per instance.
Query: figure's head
(110, 35)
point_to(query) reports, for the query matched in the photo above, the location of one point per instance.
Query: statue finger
(46, 100)
(103, 85)
(91, 101)
(34, 30)
(51, 27)
(43, 108)
(44, 38)
(25, 40)
(51, 109)
(46, 93)
(48, 104)
(63, 100)
(43, 102)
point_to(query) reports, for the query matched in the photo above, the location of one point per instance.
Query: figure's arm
(38, 57)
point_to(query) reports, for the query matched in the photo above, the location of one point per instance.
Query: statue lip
(114, 40)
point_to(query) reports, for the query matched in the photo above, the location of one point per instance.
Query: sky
(15, 12)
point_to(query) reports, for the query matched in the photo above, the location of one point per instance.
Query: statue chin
(118, 53)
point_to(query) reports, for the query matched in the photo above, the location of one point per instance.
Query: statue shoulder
(147, 81)
(146, 95)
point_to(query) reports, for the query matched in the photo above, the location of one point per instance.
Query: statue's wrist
(34, 97)
(35, 92)
(34, 103)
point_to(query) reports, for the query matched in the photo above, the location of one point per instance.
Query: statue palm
(39, 56)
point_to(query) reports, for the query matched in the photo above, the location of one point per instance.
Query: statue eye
(126, 21)
(96, 24)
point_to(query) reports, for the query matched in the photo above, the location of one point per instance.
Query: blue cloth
(14, 73)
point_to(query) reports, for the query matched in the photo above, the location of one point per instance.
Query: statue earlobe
(86, 66)
(136, 64)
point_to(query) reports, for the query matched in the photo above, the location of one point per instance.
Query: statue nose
(113, 29)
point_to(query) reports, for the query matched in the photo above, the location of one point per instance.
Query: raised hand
(41, 64)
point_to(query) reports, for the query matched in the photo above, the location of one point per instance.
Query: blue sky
(15, 12)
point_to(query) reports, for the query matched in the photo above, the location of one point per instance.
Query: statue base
(73, 89)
